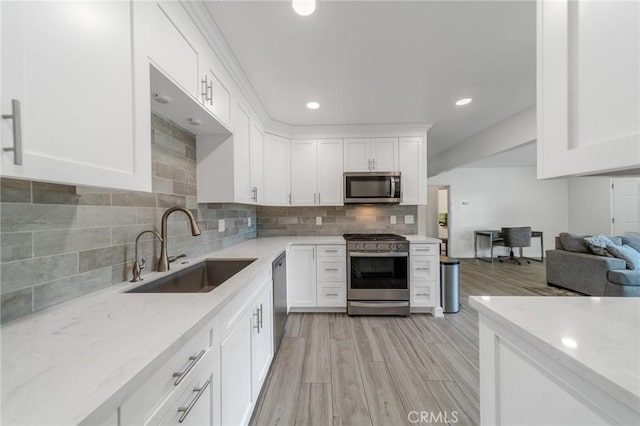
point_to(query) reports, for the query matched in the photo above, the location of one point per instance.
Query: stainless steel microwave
(372, 188)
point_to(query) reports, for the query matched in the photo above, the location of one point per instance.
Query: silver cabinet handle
(260, 320)
(210, 93)
(369, 164)
(423, 249)
(422, 269)
(422, 294)
(318, 198)
(256, 314)
(181, 375)
(330, 269)
(186, 410)
(204, 91)
(17, 131)
(314, 197)
(313, 253)
(332, 294)
(331, 250)
(289, 198)
(374, 163)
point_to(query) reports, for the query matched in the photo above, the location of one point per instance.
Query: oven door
(378, 276)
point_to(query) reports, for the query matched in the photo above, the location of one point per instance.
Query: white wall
(512, 132)
(590, 205)
(500, 197)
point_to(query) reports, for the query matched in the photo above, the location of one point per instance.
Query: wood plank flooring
(338, 370)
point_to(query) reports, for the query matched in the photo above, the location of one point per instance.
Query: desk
(496, 235)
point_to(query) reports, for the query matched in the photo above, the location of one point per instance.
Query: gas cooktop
(374, 237)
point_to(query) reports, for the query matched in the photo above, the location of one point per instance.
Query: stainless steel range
(377, 274)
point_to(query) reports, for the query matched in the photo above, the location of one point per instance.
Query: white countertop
(606, 331)
(422, 239)
(60, 364)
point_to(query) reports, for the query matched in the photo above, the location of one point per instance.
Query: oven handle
(379, 304)
(367, 254)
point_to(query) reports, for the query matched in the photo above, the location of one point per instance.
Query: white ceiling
(387, 61)
(521, 156)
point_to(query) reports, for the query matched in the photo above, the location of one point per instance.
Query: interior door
(625, 206)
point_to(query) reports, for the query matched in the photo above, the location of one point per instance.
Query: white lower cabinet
(215, 377)
(424, 277)
(317, 276)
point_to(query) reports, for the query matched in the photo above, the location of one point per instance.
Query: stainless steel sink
(199, 278)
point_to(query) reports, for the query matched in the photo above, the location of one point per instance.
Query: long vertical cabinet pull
(17, 132)
(210, 93)
(374, 163)
(256, 314)
(205, 92)
(260, 318)
(319, 199)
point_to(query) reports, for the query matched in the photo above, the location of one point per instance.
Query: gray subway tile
(52, 193)
(16, 304)
(160, 124)
(169, 172)
(26, 273)
(90, 260)
(128, 233)
(36, 217)
(93, 216)
(184, 189)
(46, 243)
(162, 185)
(170, 145)
(16, 246)
(168, 200)
(15, 191)
(183, 135)
(56, 292)
(133, 199)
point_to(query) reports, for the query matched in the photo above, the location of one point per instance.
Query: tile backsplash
(281, 221)
(59, 242)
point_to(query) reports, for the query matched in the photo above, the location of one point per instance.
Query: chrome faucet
(163, 262)
(138, 266)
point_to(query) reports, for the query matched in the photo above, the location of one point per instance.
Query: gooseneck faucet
(138, 265)
(163, 262)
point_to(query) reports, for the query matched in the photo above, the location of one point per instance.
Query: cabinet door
(588, 80)
(332, 269)
(169, 48)
(357, 155)
(423, 268)
(424, 294)
(412, 166)
(256, 140)
(384, 154)
(262, 339)
(303, 172)
(330, 177)
(215, 96)
(241, 156)
(236, 373)
(301, 281)
(276, 170)
(332, 295)
(80, 74)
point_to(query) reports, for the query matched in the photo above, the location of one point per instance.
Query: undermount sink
(199, 278)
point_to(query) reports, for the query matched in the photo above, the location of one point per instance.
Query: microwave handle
(393, 187)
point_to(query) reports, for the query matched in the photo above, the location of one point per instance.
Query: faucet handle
(174, 258)
(142, 263)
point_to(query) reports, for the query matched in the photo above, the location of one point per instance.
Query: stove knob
(359, 246)
(379, 246)
(393, 247)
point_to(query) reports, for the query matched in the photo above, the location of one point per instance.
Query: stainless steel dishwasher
(279, 299)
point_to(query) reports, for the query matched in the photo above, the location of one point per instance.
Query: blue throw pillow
(627, 253)
(598, 244)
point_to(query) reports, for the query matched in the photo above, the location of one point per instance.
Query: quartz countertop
(422, 239)
(596, 337)
(62, 363)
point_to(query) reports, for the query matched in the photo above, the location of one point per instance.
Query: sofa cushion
(598, 244)
(574, 242)
(628, 254)
(624, 277)
(615, 239)
(632, 240)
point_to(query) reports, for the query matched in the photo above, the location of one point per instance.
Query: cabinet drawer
(423, 268)
(147, 398)
(423, 294)
(332, 295)
(424, 249)
(332, 251)
(331, 269)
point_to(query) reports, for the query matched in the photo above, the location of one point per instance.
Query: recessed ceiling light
(464, 101)
(194, 121)
(313, 105)
(570, 343)
(304, 7)
(161, 99)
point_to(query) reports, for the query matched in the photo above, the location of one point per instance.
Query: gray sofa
(573, 267)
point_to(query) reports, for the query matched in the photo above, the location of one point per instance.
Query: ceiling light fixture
(313, 105)
(570, 343)
(464, 101)
(304, 7)
(161, 99)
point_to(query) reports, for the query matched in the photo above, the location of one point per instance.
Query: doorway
(625, 199)
(438, 217)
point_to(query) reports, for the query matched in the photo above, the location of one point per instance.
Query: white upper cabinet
(316, 172)
(215, 95)
(170, 47)
(330, 165)
(76, 75)
(384, 154)
(588, 107)
(256, 144)
(412, 165)
(370, 154)
(303, 172)
(276, 170)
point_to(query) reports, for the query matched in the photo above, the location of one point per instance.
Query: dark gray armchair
(515, 238)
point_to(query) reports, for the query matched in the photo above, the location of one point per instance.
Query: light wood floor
(338, 370)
